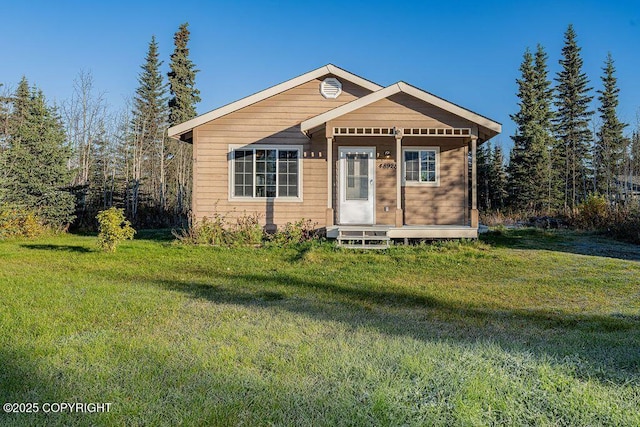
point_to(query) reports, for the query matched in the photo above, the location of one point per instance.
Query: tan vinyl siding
(275, 120)
(401, 110)
(445, 204)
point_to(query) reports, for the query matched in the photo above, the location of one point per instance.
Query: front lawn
(524, 328)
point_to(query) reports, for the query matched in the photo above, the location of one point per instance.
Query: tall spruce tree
(528, 166)
(37, 176)
(182, 107)
(149, 132)
(610, 144)
(182, 80)
(572, 122)
(549, 195)
(520, 188)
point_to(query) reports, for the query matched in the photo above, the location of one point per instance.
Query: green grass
(524, 328)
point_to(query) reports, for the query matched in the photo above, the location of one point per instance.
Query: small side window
(420, 166)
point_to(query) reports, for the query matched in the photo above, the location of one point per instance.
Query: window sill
(266, 199)
(421, 184)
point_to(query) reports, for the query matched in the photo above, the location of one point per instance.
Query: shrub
(113, 228)
(17, 222)
(592, 214)
(205, 232)
(247, 230)
(625, 224)
(295, 233)
(503, 217)
(217, 231)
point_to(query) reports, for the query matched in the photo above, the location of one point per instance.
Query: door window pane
(357, 181)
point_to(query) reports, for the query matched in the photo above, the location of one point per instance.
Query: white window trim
(419, 183)
(232, 175)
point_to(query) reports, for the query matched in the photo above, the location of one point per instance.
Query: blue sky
(467, 51)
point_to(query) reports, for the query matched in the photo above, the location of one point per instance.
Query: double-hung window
(266, 172)
(421, 166)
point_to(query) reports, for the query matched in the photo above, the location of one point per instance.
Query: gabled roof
(185, 127)
(313, 123)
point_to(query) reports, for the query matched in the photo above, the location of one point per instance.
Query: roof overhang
(178, 131)
(311, 125)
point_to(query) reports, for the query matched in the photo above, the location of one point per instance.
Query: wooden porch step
(363, 247)
(363, 238)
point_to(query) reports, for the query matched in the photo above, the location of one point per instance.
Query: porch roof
(491, 128)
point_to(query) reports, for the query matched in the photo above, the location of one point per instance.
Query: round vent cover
(330, 88)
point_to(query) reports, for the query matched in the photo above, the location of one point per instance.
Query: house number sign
(387, 166)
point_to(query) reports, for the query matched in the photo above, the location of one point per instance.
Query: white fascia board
(450, 107)
(177, 130)
(337, 71)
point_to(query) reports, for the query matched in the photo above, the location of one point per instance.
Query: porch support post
(399, 213)
(329, 213)
(474, 183)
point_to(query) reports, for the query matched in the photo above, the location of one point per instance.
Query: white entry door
(357, 184)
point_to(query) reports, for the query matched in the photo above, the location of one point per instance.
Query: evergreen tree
(483, 163)
(572, 122)
(182, 76)
(37, 174)
(528, 166)
(610, 143)
(634, 160)
(519, 183)
(497, 179)
(5, 108)
(549, 196)
(149, 133)
(182, 107)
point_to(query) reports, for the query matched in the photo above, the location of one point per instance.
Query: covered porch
(369, 172)
(401, 163)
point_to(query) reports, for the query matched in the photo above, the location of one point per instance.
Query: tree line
(67, 162)
(561, 152)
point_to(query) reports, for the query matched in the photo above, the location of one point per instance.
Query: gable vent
(331, 88)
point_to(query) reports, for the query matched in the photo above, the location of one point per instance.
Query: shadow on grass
(21, 382)
(563, 241)
(609, 344)
(156, 235)
(62, 248)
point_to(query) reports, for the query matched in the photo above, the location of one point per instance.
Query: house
(354, 157)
